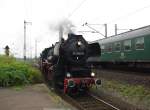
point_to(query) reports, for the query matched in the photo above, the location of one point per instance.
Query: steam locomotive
(65, 64)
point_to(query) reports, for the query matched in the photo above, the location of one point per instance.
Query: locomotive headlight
(79, 43)
(92, 74)
(68, 75)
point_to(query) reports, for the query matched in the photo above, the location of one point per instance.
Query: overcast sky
(45, 14)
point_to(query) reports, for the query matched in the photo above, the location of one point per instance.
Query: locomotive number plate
(78, 53)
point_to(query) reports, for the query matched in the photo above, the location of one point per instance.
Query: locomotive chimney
(60, 33)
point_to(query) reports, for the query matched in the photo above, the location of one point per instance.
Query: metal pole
(24, 52)
(35, 48)
(105, 30)
(116, 29)
(24, 40)
(31, 52)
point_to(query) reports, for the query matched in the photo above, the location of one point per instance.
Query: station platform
(34, 97)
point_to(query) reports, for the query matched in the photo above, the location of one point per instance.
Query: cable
(94, 29)
(129, 14)
(70, 15)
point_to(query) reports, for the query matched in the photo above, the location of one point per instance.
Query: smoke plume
(66, 25)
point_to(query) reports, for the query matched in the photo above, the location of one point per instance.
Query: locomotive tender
(130, 48)
(64, 65)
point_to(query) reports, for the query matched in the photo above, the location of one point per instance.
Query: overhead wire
(114, 20)
(129, 14)
(80, 4)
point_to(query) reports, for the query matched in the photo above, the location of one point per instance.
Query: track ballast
(88, 101)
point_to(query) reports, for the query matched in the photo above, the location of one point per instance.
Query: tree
(7, 52)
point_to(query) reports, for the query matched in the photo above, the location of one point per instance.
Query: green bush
(13, 72)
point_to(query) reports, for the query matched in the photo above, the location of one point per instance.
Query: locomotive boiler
(65, 64)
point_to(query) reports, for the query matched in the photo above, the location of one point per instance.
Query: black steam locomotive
(65, 64)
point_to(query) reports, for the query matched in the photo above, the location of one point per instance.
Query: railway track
(124, 76)
(88, 101)
(126, 69)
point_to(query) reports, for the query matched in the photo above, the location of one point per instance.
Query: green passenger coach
(132, 47)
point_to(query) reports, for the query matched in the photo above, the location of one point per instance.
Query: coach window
(109, 49)
(103, 48)
(127, 45)
(117, 46)
(139, 43)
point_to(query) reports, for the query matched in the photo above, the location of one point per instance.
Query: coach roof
(126, 35)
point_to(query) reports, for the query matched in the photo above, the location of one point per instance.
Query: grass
(15, 73)
(136, 94)
(126, 89)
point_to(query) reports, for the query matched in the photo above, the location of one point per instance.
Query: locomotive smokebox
(75, 50)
